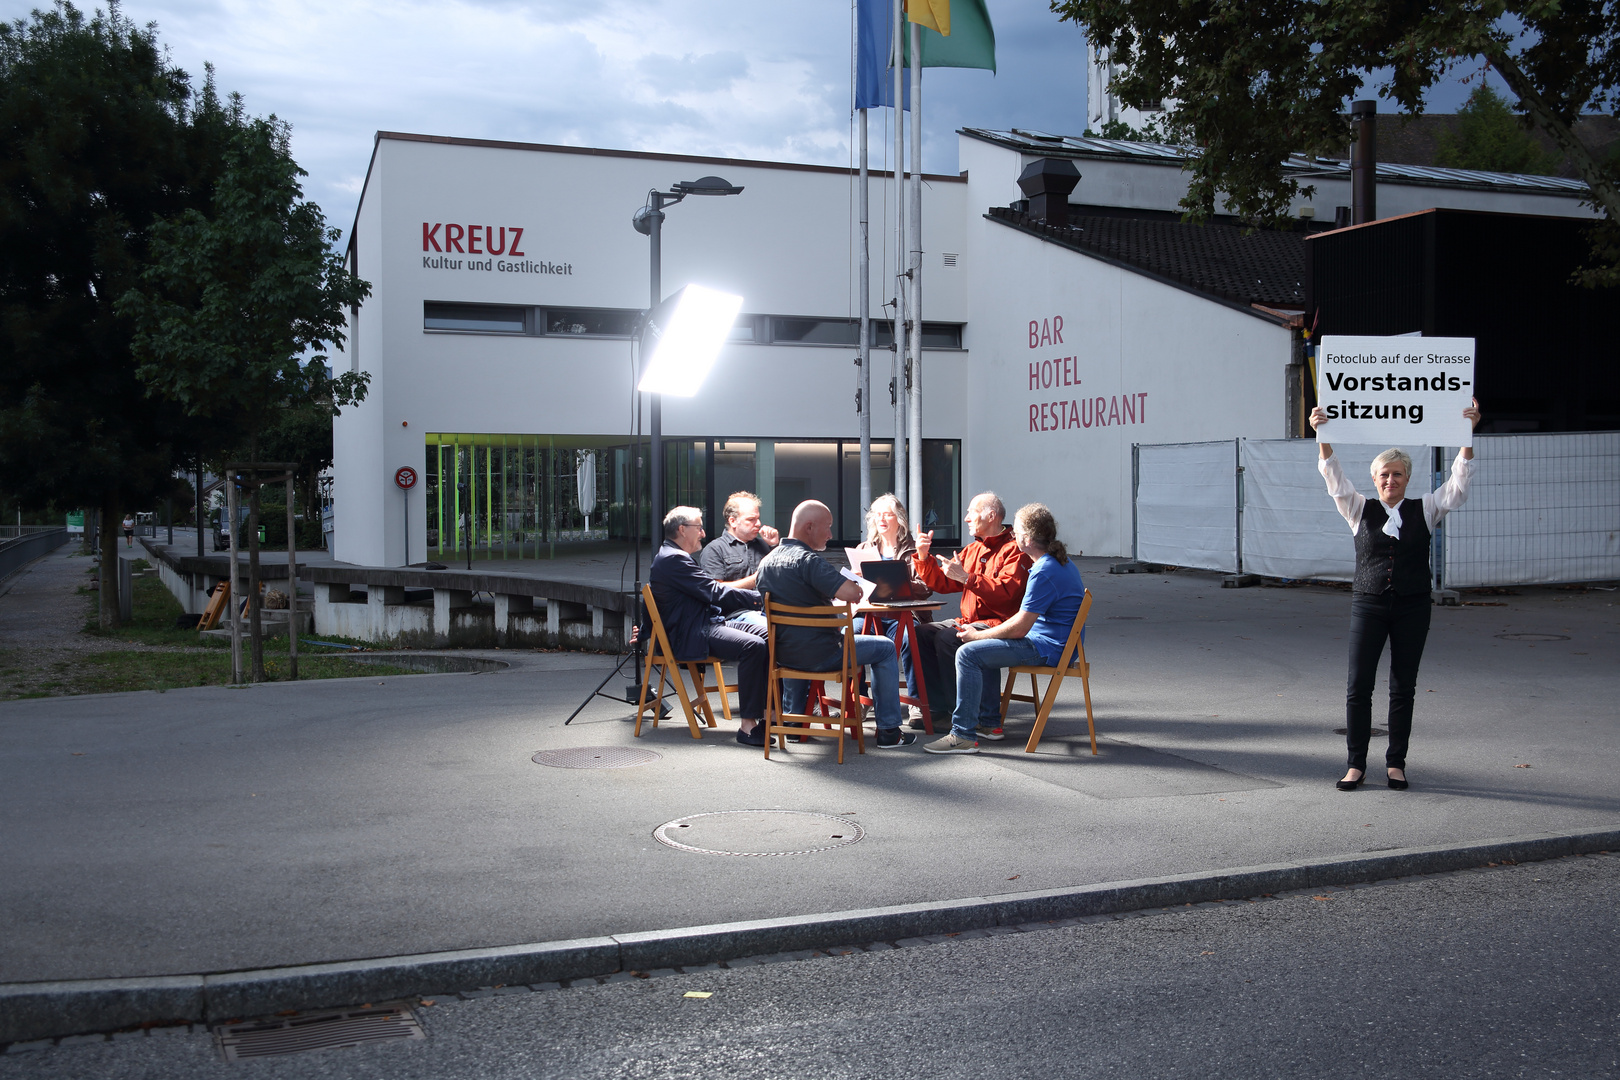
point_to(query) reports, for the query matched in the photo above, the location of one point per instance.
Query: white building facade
(507, 280)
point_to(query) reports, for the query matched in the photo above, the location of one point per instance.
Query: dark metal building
(1547, 359)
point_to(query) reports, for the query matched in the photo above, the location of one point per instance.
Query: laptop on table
(891, 583)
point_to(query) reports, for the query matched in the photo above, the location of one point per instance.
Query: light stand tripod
(695, 336)
(632, 693)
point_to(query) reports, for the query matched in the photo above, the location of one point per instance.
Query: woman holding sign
(1390, 599)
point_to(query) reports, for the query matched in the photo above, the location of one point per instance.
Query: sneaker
(754, 736)
(953, 744)
(992, 734)
(888, 740)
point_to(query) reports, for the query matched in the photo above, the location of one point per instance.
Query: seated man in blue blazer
(694, 606)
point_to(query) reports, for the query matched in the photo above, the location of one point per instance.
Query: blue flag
(874, 78)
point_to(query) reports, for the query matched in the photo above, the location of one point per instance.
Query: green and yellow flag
(933, 14)
(954, 33)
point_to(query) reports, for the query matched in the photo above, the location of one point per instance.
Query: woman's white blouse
(1436, 504)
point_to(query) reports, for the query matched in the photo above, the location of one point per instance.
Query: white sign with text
(1395, 391)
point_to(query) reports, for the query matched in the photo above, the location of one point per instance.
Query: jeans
(1404, 622)
(978, 699)
(870, 651)
(891, 630)
(751, 621)
(936, 647)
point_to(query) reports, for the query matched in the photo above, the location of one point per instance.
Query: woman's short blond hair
(1394, 453)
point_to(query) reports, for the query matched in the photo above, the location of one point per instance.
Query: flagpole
(863, 392)
(897, 452)
(914, 484)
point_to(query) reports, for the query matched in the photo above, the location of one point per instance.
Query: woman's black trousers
(1403, 621)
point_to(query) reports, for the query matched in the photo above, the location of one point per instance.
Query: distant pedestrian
(129, 531)
(1390, 598)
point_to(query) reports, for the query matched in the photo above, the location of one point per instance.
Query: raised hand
(925, 542)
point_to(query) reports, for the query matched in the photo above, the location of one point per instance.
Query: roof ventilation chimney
(1047, 183)
(1364, 162)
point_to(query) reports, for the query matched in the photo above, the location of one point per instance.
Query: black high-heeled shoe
(1351, 785)
(1398, 785)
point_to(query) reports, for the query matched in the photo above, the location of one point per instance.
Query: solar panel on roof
(1025, 138)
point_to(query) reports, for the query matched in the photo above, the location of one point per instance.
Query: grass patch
(189, 659)
(154, 611)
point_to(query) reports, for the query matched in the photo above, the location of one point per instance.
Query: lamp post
(649, 221)
(690, 329)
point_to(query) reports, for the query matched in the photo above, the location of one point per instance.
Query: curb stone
(48, 1010)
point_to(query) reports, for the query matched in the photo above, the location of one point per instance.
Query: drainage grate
(316, 1031)
(596, 757)
(759, 832)
(1377, 732)
(1533, 637)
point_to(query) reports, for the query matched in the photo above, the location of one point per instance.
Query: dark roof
(1259, 266)
(1299, 166)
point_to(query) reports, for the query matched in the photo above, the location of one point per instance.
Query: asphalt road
(1505, 972)
(212, 829)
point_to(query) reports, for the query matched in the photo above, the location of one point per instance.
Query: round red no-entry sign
(405, 477)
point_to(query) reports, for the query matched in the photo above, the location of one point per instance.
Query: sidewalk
(216, 829)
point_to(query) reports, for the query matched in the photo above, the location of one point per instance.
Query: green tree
(1489, 137)
(99, 138)
(233, 314)
(1251, 83)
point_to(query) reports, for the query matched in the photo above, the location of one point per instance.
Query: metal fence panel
(1186, 505)
(1291, 529)
(15, 554)
(1543, 509)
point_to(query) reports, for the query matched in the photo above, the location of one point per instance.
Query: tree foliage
(233, 313)
(1250, 83)
(237, 304)
(1489, 137)
(100, 137)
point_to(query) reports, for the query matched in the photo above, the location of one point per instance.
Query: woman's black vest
(1384, 564)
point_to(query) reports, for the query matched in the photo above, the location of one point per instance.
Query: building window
(935, 335)
(591, 322)
(473, 318)
(786, 331)
(749, 328)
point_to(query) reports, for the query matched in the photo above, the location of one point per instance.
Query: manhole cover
(316, 1031)
(1377, 732)
(759, 832)
(1533, 637)
(596, 757)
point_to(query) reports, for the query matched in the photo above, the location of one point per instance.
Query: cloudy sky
(738, 78)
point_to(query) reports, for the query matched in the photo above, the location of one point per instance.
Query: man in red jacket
(989, 573)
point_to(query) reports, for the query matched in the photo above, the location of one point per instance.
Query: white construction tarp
(1291, 528)
(1542, 509)
(1186, 505)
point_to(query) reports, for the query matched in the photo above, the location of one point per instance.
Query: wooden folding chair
(217, 602)
(1071, 663)
(841, 618)
(661, 656)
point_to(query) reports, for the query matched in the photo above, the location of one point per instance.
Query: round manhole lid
(596, 757)
(1533, 637)
(759, 832)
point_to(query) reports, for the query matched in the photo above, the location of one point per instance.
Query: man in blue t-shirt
(1036, 635)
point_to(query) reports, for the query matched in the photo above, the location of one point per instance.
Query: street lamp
(649, 221)
(686, 333)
